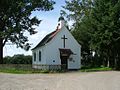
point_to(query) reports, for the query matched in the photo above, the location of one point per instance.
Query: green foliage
(14, 70)
(95, 69)
(96, 28)
(105, 33)
(15, 20)
(22, 71)
(18, 59)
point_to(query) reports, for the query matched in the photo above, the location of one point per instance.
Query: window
(39, 55)
(34, 56)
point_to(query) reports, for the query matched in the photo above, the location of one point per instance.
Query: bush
(18, 59)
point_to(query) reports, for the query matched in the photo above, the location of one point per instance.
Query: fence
(16, 66)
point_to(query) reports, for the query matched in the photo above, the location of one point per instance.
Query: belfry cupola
(61, 22)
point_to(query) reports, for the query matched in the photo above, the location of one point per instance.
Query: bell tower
(61, 22)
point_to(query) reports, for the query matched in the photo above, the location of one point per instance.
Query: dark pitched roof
(47, 38)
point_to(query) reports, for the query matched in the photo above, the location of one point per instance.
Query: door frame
(64, 62)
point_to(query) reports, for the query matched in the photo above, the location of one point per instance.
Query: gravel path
(109, 80)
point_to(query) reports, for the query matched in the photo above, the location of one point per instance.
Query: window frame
(39, 56)
(34, 56)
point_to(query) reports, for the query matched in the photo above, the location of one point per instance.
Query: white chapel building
(57, 50)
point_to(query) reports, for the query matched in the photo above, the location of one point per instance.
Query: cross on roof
(64, 38)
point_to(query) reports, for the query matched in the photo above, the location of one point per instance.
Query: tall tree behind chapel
(96, 27)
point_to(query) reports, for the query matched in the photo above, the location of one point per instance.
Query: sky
(48, 24)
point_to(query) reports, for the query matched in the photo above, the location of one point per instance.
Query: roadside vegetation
(18, 59)
(83, 69)
(28, 70)
(21, 64)
(33, 71)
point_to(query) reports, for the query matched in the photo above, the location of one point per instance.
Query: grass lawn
(96, 69)
(15, 71)
(21, 71)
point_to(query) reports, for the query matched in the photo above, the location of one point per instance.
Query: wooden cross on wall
(64, 38)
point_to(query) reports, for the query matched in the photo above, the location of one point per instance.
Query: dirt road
(109, 80)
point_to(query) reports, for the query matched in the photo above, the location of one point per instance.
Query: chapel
(57, 50)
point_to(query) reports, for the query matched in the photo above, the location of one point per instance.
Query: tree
(99, 20)
(18, 59)
(15, 20)
(105, 30)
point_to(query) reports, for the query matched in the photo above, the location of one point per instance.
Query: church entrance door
(64, 62)
(64, 55)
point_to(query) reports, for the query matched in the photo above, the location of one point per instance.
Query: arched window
(39, 55)
(34, 56)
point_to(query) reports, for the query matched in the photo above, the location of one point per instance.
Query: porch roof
(65, 51)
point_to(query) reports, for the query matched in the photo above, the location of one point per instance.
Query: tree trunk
(1, 51)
